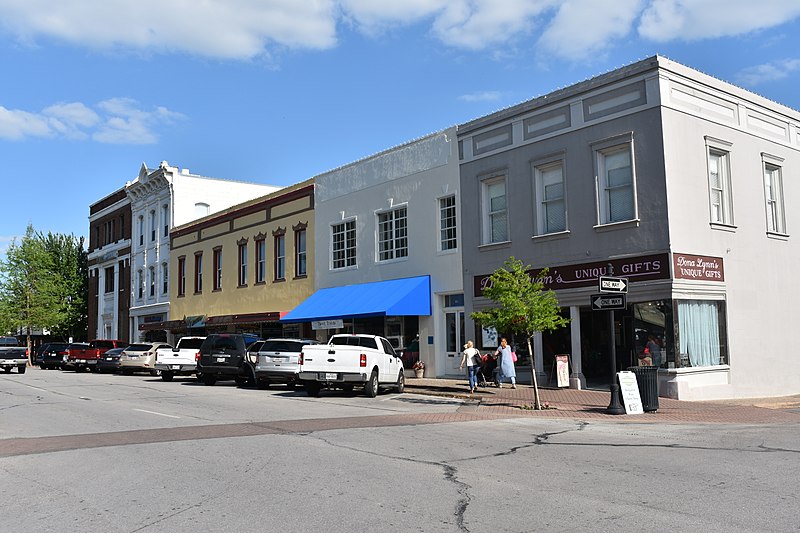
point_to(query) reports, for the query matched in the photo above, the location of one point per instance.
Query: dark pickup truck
(81, 359)
(13, 355)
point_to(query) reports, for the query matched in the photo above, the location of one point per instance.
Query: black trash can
(647, 380)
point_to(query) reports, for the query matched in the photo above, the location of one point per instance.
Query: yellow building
(241, 269)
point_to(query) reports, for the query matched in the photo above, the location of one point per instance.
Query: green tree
(523, 307)
(70, 264)
(31, 291)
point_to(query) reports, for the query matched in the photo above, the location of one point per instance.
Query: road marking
(154, 413)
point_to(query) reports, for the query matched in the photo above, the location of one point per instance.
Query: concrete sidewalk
(592, 404)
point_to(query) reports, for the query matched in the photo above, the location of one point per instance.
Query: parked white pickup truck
(350, 360)
(180, 360)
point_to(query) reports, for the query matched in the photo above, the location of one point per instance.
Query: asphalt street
(87, 452)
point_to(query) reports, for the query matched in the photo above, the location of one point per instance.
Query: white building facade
(395, 217)
(161, 199)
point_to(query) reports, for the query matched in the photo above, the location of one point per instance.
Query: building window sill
(492, 245)
(723, 227)
(778, 236)
(551, 236)
(613, 226)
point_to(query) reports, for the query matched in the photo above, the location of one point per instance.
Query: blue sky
(276, 91)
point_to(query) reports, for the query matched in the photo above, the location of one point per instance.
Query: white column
(576, 378)
(115, 323)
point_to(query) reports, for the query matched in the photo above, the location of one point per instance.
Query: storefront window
(701, 333)
(652, 325)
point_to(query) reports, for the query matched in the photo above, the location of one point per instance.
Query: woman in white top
(468, 359)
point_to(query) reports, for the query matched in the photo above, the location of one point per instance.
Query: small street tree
(31, 291)
(70, 264)
(523, 307)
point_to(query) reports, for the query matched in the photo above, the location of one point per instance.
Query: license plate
(109, 358)
(331, 375)
(81, 360)
(176, 367)
(221, 359)
(277, 359)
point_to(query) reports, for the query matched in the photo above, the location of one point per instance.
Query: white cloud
(689, 20)
(116, 121)
(484, 96)
(246, 29)
(767, 72)
(215, 28)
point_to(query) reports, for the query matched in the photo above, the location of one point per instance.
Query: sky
(277, 91)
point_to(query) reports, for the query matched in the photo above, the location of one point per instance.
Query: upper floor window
(109, 279)
(217, 266)
(165, 219)
(343, 244)
(140, 284)
(773, 194)
(198, 272)
(393, 234)
(280, 256)
(551, 210)
(152, 225)
(181, 276)
(495, 210)
(261, 260)
(141, 231)
(719, 181)
(300, 261)
(448, 238)
(615, 182)
(152, 282)
(242, 255)
(164, 278)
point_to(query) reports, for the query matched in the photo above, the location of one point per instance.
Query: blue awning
(396, 297)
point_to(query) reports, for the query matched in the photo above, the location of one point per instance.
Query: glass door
(454, 322)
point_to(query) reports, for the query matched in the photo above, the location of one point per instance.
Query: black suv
(225, 356)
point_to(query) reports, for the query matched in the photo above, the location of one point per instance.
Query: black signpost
(601, 302)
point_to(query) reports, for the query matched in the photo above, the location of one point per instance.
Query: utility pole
(614, 407)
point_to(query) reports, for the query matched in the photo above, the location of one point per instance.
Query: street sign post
(605, 302)
(616, 285)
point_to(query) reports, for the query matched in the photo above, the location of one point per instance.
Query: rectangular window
(300, 267)
(151, 272)
(719, 182)
(109, 275)
(217, 266)
(261, 261)
(164, 278)
(343, 244)
(615, 182)
(495, 210)
(701, 333)
(393, 234)
(280, 257)
(198, 272)
(448, 238)
(551, 210)
(140, 284)
(181, 276)
(152, 225)
(165, 219)
(243, 264)
(141, 231)
(773, 193)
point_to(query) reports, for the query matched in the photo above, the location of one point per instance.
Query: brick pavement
(592, 404)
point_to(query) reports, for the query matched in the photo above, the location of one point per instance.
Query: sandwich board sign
(630, 393)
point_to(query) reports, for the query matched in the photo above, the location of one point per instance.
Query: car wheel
(166, 376)
(199, 376)
(262, 384)
(80, 369)
(401, 382)
(94, 369)
(371, 388)
(21, 369)
(43, 367)
(312, 388)
(209, 380)
(7, 369)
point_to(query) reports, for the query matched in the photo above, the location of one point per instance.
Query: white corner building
(161, 199)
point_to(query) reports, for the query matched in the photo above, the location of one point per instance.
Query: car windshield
(190, 343)
(138, 347)
(56, 347)
(282, 346)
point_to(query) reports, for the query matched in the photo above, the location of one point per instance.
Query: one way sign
(602, 302)
(609, 284)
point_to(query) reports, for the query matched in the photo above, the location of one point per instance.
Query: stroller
(488, 368)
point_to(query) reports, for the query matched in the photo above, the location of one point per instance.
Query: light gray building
(675, 180)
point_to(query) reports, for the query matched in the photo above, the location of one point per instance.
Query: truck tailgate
(331, 359)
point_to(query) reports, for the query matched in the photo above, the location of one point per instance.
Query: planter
(419, 373)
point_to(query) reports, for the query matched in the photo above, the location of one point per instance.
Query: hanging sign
(327, 324)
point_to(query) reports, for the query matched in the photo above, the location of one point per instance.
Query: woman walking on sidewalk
(469, 358)
(505, 365)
